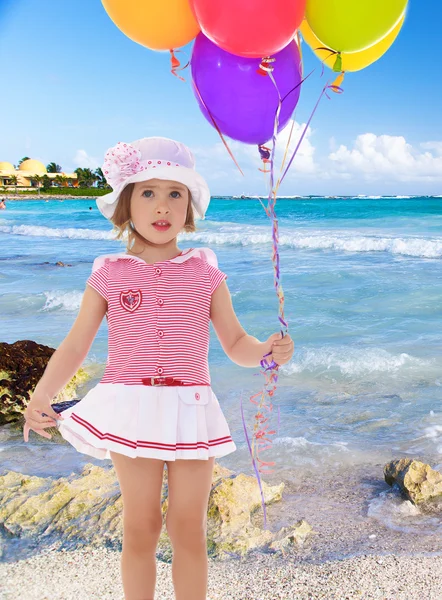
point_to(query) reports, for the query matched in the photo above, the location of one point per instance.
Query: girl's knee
(142, 536)
(190, 531)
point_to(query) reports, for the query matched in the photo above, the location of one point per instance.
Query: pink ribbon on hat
(120, 162)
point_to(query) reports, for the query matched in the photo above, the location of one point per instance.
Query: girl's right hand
(38, 415)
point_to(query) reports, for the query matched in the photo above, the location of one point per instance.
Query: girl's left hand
(281, 348)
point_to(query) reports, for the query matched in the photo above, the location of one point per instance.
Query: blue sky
(73, 85)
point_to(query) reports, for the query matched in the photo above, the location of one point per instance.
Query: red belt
(160, 381)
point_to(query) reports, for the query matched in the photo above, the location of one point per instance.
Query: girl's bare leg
(140, 482)
(190, 482)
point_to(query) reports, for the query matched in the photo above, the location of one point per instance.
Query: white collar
(204, 253)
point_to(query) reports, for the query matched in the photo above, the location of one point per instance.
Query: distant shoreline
(45, 197)
(12, 198)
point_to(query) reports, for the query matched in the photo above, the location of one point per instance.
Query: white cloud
(436, 146)
(386, 157)
(215, 160)
(304, 162)
(82, 159)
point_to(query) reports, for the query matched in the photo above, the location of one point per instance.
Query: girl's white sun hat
(151, 158)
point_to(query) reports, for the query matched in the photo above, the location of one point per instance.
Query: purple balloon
(243, 102)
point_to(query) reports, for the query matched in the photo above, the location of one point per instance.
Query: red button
(197, 396)
(158, 271)
(160, 370)
(160, 302)
(161, 333)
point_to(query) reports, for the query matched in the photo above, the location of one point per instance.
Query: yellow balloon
(351, 61)
(156, 24)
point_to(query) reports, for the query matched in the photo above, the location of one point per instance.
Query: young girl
(154, 404)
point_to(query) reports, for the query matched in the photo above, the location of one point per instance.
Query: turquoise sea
(362, 279)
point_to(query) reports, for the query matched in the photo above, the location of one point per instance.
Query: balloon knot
(175, 65)
(265, 66)
(264, 152)
(336, 85)
(265, 157)
(337, 67)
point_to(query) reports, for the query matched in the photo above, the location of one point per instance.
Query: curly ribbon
(266, 65)
(265, 157)
(175, 64)
(261, 430)
(336, 85)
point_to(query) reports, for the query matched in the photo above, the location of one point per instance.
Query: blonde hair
(122, 220)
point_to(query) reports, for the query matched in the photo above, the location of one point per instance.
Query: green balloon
(353, 25)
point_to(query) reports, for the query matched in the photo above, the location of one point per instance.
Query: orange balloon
(156, 24)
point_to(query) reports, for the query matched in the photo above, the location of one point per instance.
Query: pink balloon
(250, 28)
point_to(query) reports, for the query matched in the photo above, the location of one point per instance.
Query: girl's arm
(72, 351)
(243, 349)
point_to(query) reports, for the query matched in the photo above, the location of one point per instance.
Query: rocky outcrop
(59, 263)
(87, 509)
(22, 365)
(417, 481)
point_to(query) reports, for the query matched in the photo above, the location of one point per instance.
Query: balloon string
(216, 126)
(323, 92)
(261, 440)
(253, 460)
(261, 432)
(337, 65)
(298, 41)
(286, 151)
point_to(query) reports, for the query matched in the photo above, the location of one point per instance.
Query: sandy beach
(350, 556)
(95, 574)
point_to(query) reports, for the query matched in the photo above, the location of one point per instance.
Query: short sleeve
(99, 277)
(216, 277)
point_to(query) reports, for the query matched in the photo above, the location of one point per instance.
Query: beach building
(28, 170)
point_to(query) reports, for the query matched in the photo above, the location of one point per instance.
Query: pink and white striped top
(158, 315)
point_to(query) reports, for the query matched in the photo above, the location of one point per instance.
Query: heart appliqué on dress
(130, 300)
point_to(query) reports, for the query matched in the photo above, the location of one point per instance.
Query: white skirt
(164, 422)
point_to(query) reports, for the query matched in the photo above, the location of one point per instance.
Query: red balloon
(250, 28)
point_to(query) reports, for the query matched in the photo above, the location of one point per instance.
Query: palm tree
(14, 181)
(53, 168)
(23, 160)
(101, 180)
(47, 183)
(38, 180)
(86, 177)
(61, 180)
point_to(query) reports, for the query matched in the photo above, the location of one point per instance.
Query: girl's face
(158, 201)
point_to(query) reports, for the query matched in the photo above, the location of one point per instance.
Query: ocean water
(362, 279)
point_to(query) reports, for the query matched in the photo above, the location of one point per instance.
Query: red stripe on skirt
(155, 445)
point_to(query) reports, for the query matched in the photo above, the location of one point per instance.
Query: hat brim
(196, 184)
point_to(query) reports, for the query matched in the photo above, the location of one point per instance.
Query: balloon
(243, 102)
(158, 25)
(351, 61)
(353, 25)
(253, 29)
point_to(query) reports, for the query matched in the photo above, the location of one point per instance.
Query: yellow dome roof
(32, 165)
(6, 166)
